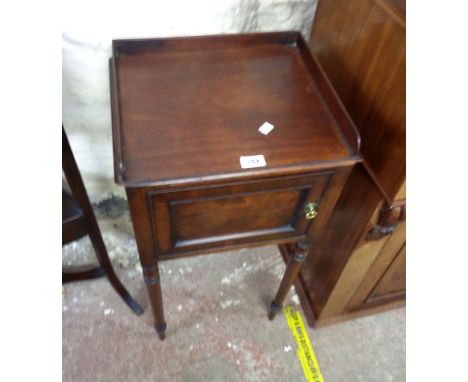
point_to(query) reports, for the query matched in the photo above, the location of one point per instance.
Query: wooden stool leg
(104, 261)
(83, 273)
(292, 269)
(153, 285)
(79, 193)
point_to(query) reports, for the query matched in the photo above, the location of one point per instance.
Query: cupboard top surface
(188, 108)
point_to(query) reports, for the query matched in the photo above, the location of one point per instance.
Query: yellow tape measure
(305, 352)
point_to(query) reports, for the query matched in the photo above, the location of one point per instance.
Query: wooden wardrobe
(359, 265)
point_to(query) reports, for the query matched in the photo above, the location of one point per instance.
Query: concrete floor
(216, 311)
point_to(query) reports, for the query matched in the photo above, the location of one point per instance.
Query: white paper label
(266, 128)
(252, 161)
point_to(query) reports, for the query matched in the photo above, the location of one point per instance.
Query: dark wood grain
(78, 219)
(184, 111)
(293, 267)
(332, 100)
(141, 219)
(134, 46)
(389, 218)
(393, 281)
(221, 215)
(363, 52)
(73, 220)
(360, 44)
(389, 264)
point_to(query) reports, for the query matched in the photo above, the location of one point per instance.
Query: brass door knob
(311, 211)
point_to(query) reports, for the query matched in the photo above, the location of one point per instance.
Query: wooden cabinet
(360, 45)
(186, 113)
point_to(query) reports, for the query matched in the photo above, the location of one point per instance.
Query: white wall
(88, 29)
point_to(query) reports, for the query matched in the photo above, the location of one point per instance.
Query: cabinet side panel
(362, 50)
(354, 272)
(388, 253)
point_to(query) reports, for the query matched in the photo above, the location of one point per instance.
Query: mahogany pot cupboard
(198, 174)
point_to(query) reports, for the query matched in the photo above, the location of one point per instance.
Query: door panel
(244, 212)
(394, 279)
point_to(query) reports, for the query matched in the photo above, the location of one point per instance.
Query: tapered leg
(104, 261)
(153, 285)
(79, 193)
(292, 269)
(141, 219)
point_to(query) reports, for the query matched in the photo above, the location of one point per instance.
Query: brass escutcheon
(311, 211)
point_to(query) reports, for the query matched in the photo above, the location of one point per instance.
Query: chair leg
(78, 189)
(104, 261)
(84, 273)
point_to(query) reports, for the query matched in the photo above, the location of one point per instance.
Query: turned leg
(141, 219)
(292, 269)
(153, 285)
